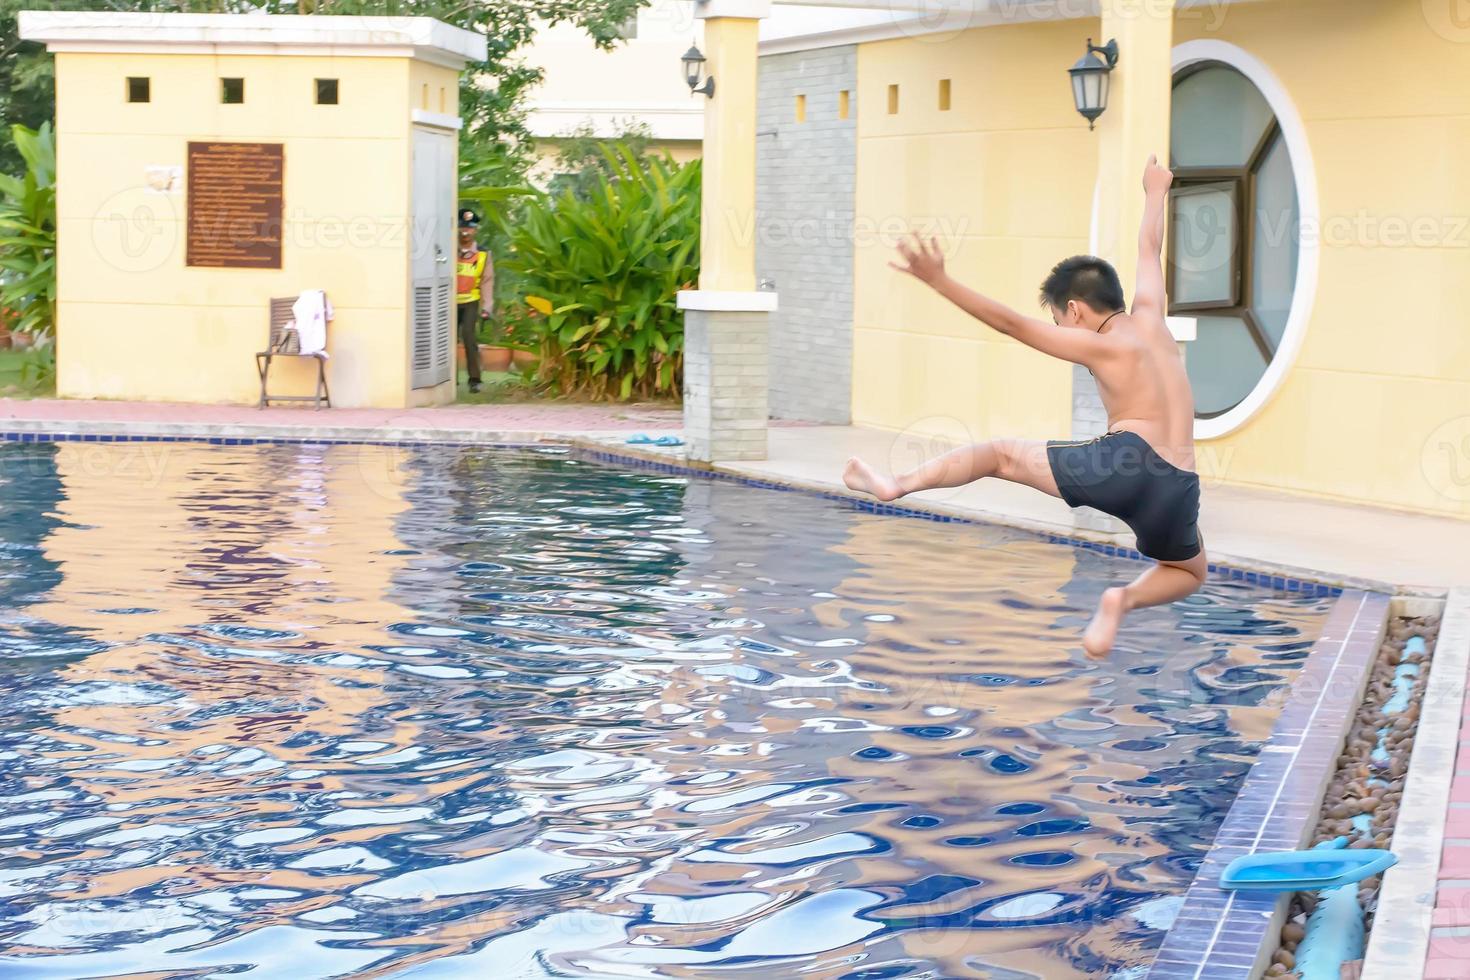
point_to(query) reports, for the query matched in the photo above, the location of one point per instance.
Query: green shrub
(598, 277)
(28, 234)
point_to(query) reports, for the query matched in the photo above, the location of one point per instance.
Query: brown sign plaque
(235, 205)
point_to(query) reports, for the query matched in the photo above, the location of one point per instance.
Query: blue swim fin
(1296, 871)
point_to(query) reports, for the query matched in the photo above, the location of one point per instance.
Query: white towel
(310, 313)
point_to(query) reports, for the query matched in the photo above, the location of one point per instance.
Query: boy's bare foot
(860, 476)
(1098, 640)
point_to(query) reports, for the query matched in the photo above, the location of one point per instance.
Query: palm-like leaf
(606, 266)
(28, 234)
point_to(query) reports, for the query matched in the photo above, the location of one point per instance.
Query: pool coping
(1231, 935)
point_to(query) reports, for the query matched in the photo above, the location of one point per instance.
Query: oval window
(1234, 231)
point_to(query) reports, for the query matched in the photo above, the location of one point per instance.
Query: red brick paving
(519, 417)
(1449, 938)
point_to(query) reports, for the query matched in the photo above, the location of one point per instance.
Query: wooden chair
(287, 343)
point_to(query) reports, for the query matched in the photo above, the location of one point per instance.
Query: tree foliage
(492, 93)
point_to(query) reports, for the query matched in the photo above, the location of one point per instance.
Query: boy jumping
(1142, 470)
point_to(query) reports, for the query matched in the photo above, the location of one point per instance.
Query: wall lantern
(693, 68)
(1090, 79)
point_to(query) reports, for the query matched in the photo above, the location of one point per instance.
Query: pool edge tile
(1285, 786)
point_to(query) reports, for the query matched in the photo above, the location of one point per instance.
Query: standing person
(1142, 470)
(474, 284)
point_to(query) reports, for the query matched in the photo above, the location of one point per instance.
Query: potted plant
(524, 334)
(494, 356)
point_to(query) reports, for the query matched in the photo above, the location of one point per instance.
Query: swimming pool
(449, 712)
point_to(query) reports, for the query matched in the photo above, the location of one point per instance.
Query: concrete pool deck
(1339, 543)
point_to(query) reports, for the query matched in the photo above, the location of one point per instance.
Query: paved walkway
(547, 417)
(1305, 537)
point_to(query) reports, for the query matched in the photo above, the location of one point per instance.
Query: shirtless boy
(1142, 471)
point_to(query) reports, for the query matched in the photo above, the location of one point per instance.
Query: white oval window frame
(1304, 174)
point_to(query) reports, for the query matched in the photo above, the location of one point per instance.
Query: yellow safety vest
(467, 274)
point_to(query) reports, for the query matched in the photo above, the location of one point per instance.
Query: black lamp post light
(693, 61)
(1090, 79)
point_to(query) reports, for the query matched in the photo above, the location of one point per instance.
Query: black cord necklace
(1105, 322)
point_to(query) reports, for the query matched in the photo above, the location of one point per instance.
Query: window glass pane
(1275, 241)
(1203, 243)
(1224, 364)
(1218, 118)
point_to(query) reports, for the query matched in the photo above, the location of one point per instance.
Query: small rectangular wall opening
(893, 100)
(138, 89)
(232, 91)
(326, 91)
(944, 95)
(801, 108)
(843, 103)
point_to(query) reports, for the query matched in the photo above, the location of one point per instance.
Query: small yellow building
(207, 163)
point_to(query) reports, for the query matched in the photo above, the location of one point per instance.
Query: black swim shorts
(1120, 474)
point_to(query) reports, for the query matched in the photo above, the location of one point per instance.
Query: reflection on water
(354, 711)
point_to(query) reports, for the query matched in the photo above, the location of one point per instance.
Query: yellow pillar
(726, 320)
(727, 222)
(1135, 124)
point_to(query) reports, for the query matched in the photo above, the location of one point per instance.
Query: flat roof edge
(164, 30)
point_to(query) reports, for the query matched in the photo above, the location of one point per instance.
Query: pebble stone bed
(1362, 786)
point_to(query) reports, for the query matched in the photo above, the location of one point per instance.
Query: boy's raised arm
(1148, 292)
(924, 261)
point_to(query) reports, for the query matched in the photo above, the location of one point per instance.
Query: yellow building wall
(1385, 363)
(433, 88)
(136, 322)
(1005, 179)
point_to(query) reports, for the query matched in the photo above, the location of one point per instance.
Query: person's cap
(468, 219)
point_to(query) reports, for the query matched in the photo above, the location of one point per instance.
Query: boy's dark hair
(1087, 279)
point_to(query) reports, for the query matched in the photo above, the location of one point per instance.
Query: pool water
(323, 711)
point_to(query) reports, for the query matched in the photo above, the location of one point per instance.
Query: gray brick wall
(804, 212)
(725, 383)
